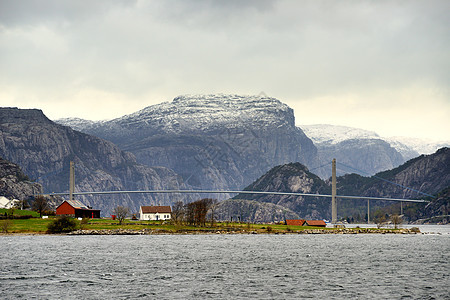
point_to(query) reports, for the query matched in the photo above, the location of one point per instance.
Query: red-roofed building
(316, 223)
(295, 222)
(155, 213)
(77, 209)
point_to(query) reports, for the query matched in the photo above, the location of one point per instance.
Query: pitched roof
(156, 209)
(295, 222)
(76, 204)
(315, 223)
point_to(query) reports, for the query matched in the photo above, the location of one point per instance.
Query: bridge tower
(71, 180)
(333, 192)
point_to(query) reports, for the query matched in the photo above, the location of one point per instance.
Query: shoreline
(215, 232)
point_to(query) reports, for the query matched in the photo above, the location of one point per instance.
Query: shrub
(5, 225)
(61, 225)
(83, 223)
(269, 229)
(415, 229)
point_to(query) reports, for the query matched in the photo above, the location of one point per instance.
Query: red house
(316, 223)
(295, 222)
(77, 209)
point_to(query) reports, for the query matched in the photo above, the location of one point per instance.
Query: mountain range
(222, 142)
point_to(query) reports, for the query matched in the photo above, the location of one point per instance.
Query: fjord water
(226, 267)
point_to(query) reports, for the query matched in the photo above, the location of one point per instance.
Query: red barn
(295, 222)
(77, 209)
(317, 223)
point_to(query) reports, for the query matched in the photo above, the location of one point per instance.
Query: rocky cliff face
(14, 184)
(212, 141)
(44, 150)
(295, 178)
(252, 211)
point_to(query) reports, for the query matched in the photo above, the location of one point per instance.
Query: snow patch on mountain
(421, 146)
(332, 134)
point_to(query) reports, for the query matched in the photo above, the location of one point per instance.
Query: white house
(155, 213)
(6, 203)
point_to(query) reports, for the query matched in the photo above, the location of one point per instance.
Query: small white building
(155, 213)
(6, 203)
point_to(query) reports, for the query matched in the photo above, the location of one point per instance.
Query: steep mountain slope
(212, 141)
(428, 174)
(44, 150)
(14, 184)
(296, 178)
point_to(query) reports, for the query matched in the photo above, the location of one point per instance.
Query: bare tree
(40, 205)
(380, 221)
(196, 212)
(121, 213)
(212, 208)
(396, 220)
(178, 211)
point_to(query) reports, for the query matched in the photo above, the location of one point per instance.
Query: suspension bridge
(333, 195)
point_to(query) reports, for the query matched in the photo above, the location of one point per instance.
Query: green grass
(29, 225)
(18, 212)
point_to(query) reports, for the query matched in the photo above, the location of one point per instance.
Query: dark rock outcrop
(294, 178)
(14, 184)
(252, 211)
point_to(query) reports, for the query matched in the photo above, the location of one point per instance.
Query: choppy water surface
(225, 267)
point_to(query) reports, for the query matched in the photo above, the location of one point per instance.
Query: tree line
(196, 213)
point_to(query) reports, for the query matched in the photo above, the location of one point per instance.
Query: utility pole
(368, 211)
(333, 192)
(71, 180)
(401, 208)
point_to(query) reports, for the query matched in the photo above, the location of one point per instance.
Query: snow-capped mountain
(212, 141)
(210, 113)
(324, 134)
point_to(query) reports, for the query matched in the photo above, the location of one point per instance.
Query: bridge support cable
(234, 192)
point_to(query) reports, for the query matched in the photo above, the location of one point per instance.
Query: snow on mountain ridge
(326, 134)
(332, 134)
(421, 146)
(209, 112)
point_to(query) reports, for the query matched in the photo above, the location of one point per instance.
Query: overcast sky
(377, 65)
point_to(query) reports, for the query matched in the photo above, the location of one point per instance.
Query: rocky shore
(307, 231)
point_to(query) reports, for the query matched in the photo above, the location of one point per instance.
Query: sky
(378, 65)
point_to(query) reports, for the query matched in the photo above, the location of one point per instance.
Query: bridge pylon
(333, 192)
(71, 180)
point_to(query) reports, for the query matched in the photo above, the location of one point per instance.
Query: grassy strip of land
(39, 226)
(18, 212)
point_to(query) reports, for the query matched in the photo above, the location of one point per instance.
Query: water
(225, 267)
